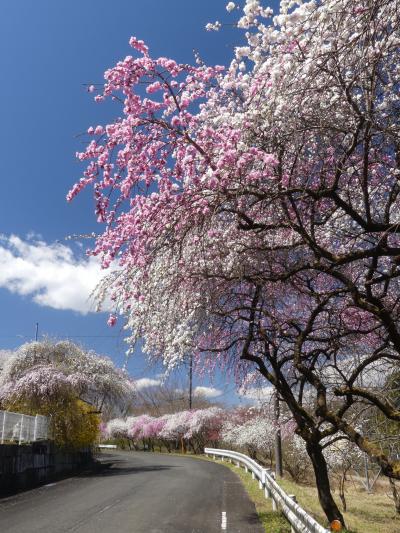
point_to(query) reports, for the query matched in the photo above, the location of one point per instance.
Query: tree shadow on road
(113, 469)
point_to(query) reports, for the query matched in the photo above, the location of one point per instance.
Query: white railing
(300, 521)
(16, 427)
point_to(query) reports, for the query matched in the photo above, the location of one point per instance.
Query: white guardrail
(16, 427)
(300, 521)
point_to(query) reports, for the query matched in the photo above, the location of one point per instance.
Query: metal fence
(19, 428)
(300, 520)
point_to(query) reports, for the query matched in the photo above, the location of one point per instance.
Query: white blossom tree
(46, 371)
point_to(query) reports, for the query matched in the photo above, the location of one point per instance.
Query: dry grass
(365, 512)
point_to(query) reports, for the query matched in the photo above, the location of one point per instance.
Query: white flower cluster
(213, 26)
(256, 432)
(341, 454)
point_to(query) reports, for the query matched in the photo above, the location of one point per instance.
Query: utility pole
(367, 483)
(37, 331)
(190, 381)
(278, 438)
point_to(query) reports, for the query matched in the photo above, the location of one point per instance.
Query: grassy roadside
(372, 513)
(365, 512)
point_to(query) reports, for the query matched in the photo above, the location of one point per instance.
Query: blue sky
(50, 49)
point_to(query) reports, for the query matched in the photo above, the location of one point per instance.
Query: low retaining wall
(27, 465)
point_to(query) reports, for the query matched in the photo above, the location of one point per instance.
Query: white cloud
(50, 274)
(144, 383)
(208, 392)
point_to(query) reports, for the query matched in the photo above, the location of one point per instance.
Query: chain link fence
(19, 428)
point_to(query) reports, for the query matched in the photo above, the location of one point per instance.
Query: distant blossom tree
(250, 431)
(64, 381)
(116, 428)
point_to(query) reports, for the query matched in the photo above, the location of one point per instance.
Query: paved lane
(140, 493)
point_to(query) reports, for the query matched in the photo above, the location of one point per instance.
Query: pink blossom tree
(253, 211)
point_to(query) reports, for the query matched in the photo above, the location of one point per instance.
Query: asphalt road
(139, 493)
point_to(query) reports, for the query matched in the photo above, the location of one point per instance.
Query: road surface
(139, 493)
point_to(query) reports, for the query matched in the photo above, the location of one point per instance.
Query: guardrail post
(3, 429)
(214, 457)
(293, 497)
(274, 504)
(237, 464)
(267, 493)
(253, 476)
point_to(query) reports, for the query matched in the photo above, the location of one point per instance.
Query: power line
(64, 336)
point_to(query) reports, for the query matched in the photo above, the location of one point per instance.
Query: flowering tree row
(197, 427)
(251, 431)
(254, 210)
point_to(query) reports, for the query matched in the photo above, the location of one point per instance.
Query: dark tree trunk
(278, 439)
(395, 494)
(326, 500)
(341, 491)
